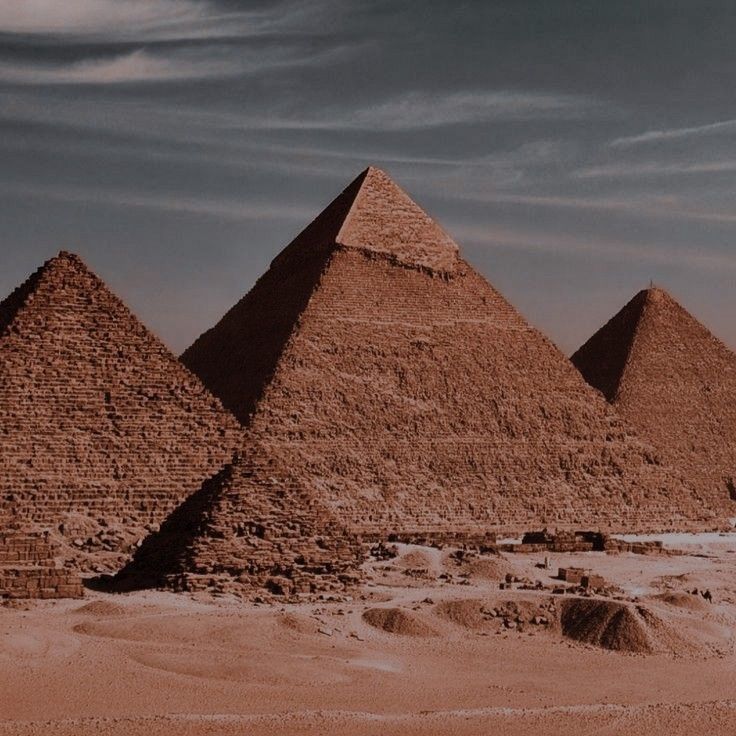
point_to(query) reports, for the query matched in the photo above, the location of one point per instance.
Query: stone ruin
(669, 377)
(29, 567)
(412, 397)
(103, 430)
(252, 529)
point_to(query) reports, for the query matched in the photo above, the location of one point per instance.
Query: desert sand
(430, 644)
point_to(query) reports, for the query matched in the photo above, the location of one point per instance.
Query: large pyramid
(674, 381)
(103, 430)
(408, 395)
(253, 527)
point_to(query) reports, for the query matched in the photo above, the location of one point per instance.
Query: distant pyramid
(103, 430)
(407, 394)
(674, 381)
(250, 527)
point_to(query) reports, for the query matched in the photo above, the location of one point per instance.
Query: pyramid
(674, 381)
(409, 396)
(251, 528)
(103, 430)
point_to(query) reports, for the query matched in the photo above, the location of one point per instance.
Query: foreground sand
(156, 663)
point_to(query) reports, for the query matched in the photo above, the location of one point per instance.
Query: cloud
(416, 110)
(142, 65)
(653, 206)
(657, 136)
(653, 169)
(137, 66)
(218, 208)
(604, 249)
(95, 16)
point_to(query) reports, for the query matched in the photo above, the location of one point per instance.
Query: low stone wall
(28, 568)
(471, 538)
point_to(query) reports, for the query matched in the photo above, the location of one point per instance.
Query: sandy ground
(157, 663)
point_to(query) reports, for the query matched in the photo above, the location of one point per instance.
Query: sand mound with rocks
(488, 568)
(398, 621)
(469, 613)
(621, 627)
(687, 601)
(415, 559)
(101, 608)
(485, 567)
(299, 624)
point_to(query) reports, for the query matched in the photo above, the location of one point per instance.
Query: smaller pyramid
(676, 383)
(251, 528)
(103, 430)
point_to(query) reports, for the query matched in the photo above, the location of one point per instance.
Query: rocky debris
(102, 428)
(382, 551)
(669, 377)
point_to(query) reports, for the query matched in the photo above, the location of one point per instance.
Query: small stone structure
(580, 541)
(29, 569)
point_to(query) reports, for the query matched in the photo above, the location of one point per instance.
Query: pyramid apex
(657, 293)
(67, 256)
(384, 219)
(373, 214)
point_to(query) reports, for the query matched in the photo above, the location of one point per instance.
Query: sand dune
(438, 655)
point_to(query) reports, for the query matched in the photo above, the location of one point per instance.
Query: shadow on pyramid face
(162, 557)
(250, 529)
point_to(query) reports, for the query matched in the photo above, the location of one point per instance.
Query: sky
(576, 151)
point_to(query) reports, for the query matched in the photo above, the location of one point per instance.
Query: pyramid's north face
(409, 394)
(103, 430)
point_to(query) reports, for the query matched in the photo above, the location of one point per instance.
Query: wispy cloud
(219, 208)
(649, 206)
(417, 110)
(657, 136)
(96, 16)
(598, 248)
(137, 66)
(654, 169)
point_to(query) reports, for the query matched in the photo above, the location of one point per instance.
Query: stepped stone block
(29, 568)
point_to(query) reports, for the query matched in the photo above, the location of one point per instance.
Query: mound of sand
(398, 621)
(101, 608)
(687, 601)
(467, 613)
(620, 627)
(298, 623)
(414, 559)
(488, 568)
